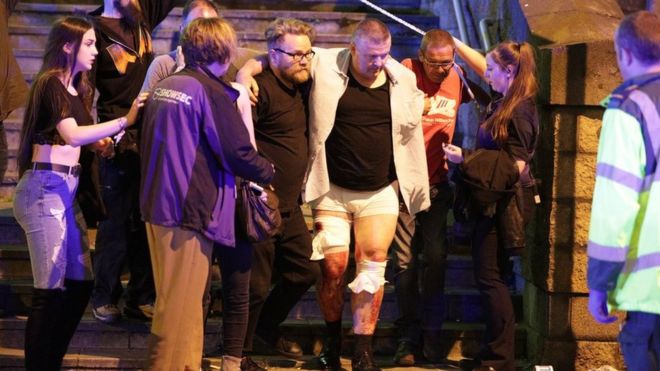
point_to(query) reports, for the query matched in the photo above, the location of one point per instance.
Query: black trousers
(491, 266)
(283, 263)
(235, 264)
(121, 238)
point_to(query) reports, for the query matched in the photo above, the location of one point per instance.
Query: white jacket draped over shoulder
(329, 72)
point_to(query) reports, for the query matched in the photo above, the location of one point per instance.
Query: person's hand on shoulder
(138, 103)
(245, 76)
(250, 84)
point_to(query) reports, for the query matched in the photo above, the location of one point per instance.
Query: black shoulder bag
(259, 219)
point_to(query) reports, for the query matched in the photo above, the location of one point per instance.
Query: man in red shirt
(438, 77)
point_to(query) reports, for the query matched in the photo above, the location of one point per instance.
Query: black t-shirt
(58, 104)
(125, 53)
(280, 128)
(120, 31)
(359, 148)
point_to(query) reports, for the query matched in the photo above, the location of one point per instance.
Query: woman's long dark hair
(59, 64)
(520, 58)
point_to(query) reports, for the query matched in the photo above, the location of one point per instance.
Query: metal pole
(458, 11)
(484, 34)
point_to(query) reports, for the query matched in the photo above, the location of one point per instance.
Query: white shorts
(360, 203)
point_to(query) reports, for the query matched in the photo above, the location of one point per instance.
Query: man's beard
(298, 77)
(131, 14)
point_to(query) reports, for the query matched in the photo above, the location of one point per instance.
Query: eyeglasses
(297, 57)
(443, 65)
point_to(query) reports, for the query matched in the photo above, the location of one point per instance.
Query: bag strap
(651, 122)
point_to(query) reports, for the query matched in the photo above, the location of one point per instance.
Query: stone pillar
(560, 330)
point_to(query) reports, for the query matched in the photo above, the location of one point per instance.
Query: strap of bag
(650, 114)
(651, 121)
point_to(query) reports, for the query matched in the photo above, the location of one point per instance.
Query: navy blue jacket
(193, 144)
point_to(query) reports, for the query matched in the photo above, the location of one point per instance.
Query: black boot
(41, 327)
(363, 359)
(76, 297)
(329, 356)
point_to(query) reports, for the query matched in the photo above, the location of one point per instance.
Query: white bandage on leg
(331, 234)
(369, 276)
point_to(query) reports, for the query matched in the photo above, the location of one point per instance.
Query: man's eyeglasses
(443, 65)
(297, 57)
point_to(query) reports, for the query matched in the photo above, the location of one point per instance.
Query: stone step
(28, 60)
(254, 19)
(110, 359)
(317, 5)
(30, 24)
(11, 175)
(164, 40)
(462, 304)
(11, 232)
(97, 359)
(15, 265)
(129, 338)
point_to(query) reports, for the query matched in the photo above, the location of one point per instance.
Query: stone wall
(560, 330)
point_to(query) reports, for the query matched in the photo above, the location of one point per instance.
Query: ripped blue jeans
(46, 209)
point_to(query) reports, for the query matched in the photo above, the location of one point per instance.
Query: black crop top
(53, 110)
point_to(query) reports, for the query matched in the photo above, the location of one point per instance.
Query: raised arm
(75, 135)
(473, 58)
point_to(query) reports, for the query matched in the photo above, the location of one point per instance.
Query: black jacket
(194, 143)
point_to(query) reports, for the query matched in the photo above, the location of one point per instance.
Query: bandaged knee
(369, 277)
(331, 234)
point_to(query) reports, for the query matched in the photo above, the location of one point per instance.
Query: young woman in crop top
(57, 123)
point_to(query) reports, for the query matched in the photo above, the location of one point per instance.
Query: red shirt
(439, 122)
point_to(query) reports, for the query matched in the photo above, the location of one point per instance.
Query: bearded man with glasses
(280, 127)
(425, 232)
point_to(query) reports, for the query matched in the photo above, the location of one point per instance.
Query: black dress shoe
(288, 348)
(248, 364)
(329, 356)
(364, 361)
(405, 354)
(471, 364)
(283, 346)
